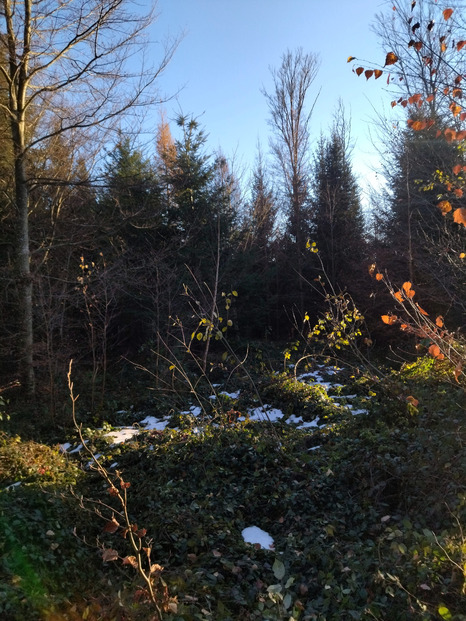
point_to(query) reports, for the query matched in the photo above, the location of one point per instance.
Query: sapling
(155, 589)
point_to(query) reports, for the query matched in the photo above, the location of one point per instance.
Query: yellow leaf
(235, 293)
(350, 58)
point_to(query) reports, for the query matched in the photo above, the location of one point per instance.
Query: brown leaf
(447, 13)
(412, 400)
(390, 59)
(460, 45)
(111, 526)
(377, 73)
(109, 555)
(359, 70)
(130, 560)
(459, 216)
(368, 73)
(458, 370)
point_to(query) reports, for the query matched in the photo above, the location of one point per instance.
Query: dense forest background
(127, 245)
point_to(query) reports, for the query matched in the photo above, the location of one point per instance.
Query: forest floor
(323, 493)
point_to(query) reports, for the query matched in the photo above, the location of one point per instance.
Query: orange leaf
(393, 104)
(459, 216)
(455, 108)
(421, 310)
(378, 73)
(447, 13)
(398, 296)
(403, 326)
(414, 99)
(359, 70)
(418, 126)
(457, 169)
(450, 134)
(443, 47)
(445, 207)
(458, 192)
(457, 92)
(462, 255)
(390, 59)
(412, 400)
(430, 98)
(439, 321)
(435, 352)
(389, 319)
(350, 58)
(379, 276)
(406, 286)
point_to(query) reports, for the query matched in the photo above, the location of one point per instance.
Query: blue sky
(224, 61)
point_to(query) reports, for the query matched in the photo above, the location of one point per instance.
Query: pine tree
(337, 214)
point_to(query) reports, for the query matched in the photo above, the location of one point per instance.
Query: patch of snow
(344, 396)
(114, 465)
(78, 448)
(266, 412)
(356, 412)
(122, 412)
(121, 435)
(150, 423)
(231, 395)
(294, 419)
(194, 410)
(307, 424)
(213, 397)
(254, 534)
(64, 447)
(13, 485)
(313, 448)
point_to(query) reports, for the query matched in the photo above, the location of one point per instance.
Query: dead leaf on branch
(459, 216)
(390, 59)
(109, 555)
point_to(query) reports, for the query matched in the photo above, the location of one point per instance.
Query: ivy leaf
(278, 569)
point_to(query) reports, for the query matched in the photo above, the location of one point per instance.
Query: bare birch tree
(66, 68)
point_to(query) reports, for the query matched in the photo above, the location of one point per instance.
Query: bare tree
(65, 64)
(290, 115)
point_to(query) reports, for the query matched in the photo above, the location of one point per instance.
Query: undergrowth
(366, 513)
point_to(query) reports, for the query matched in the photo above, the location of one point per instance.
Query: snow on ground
(254, 534)
(264, 412)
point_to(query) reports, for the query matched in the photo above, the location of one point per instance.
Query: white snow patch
(64, 447)
(356, 412)
(313, 448)
(266, 412)
(13, 485)
(232, 395)
(307, 424)
(254, 534)
(194, 410)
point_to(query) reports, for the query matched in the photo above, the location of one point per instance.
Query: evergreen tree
(337, 213)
